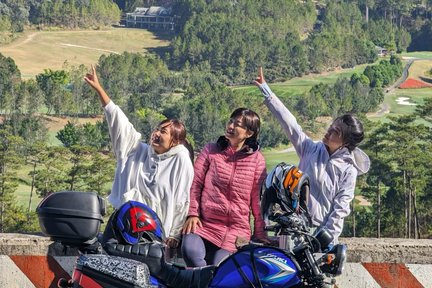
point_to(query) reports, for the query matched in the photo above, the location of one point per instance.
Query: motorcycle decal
(279, 268)
(141, 221)
(124, 269)
(272, 267)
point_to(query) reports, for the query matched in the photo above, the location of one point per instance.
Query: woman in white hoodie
(332, 164)
(159, 175)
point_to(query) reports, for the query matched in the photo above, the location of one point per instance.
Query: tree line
(148, 91)
(281, 36)
(399, 184)
(292, 38)
(17, 14)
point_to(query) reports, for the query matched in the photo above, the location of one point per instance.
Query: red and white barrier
(44, 271)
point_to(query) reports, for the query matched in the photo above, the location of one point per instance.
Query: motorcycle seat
(152, 254)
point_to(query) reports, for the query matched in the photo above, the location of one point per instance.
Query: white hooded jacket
(162, 181)
(333, 178)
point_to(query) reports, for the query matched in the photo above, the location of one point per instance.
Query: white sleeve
(123, 135)
(341, 203)
(289, 124)
(182, 197)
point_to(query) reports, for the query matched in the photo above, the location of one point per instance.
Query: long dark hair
(352, 130)
(178, 133)
(252, 122)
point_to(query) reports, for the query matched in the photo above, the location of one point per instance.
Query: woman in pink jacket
(226, 186)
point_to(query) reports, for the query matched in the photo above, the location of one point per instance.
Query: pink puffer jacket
(225, 186)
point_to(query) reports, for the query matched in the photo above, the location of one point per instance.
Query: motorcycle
(302, 259)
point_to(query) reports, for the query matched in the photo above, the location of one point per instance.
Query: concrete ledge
(389, 250)
(23, 244)
(31, 244)
(360, 250)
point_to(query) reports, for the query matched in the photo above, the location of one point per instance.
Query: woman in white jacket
(332, 164)
(159, 174)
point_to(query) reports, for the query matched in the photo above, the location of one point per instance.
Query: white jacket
(162, 181)
(333, 178)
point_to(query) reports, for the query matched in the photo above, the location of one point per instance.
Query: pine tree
(10, 160)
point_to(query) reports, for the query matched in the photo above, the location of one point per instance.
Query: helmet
(135, 221)
(286, 186)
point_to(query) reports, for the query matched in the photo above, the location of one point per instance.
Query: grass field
(415, 96)
(274, 157)
(299, 85)
(35, 51)
(419, 55)
(419, 68)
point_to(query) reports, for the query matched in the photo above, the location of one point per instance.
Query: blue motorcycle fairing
(156, 283)
(273, 267)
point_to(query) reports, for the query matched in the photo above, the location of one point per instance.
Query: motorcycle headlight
(336, 260)
(324, 237)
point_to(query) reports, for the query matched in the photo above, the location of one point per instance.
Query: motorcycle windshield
(266, 265)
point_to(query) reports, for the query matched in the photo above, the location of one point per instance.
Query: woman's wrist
(265, 89)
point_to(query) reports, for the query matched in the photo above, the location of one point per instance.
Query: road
(384, 107)
(402, 78)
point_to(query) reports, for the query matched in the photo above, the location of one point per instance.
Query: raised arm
(123, 135)
(287, 120)
(93, 81)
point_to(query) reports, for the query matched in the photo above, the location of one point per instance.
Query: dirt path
(384, 109)
(363, 201)
(89, 48)
(28, 39)
(31, 37)
(54, 123)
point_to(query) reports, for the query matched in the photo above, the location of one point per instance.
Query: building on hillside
(381, 51)
(152, 18)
